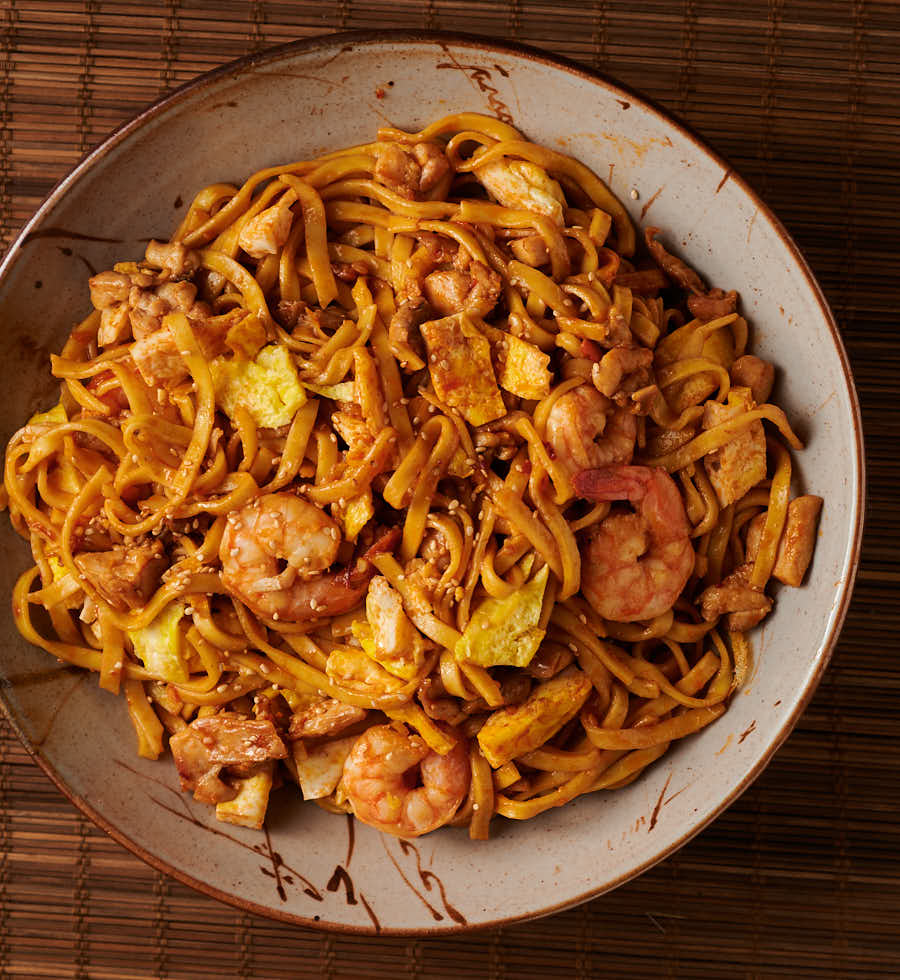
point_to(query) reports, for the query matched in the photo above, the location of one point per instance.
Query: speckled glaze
(298, 101)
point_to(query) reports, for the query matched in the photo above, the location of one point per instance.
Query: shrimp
(634, 565)
(380, 777)
(586, 430)
(274, 551)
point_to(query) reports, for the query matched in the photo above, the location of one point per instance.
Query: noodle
(408, 459)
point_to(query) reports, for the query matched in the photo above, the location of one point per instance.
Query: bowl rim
(346, 41)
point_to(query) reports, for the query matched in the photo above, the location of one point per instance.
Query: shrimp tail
(609, 483)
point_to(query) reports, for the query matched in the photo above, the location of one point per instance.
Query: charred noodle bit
(397, 475)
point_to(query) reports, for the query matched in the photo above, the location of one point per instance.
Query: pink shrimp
(635, 565)
(585, 430)
(380, 777)
(274, 553)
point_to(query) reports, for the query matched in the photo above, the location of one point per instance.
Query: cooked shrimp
(273, 552)
(634, 565)
(381, 775)
(586, 430)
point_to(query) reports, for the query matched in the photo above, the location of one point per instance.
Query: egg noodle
(407, 467)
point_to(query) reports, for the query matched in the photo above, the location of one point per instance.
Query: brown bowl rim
(346, 41)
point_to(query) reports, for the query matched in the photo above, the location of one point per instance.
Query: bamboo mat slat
(801, 877)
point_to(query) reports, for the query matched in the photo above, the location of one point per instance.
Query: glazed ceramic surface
(316, 96)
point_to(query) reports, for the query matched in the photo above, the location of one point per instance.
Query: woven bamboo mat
(801, 877)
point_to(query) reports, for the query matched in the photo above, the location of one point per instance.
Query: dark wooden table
(801, 877)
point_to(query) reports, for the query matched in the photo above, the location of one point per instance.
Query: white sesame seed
(634, 194)
(222, 688)
(275, 616)
(582, 619)
(475, 806)
(573, 648)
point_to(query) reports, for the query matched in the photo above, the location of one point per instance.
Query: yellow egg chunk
(248, 808)
(159, 645)
(511, 732)
(521, 368)
(267, 387)
(56, 414)
(504, 632)
(319, 769)
(459, 360)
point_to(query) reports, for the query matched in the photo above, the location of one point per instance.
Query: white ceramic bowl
(314, 96)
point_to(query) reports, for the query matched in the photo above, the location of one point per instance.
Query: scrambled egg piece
(248, 808)
(521, 368)
(504, 632)
(355, 514)
(319, 769)
(246, 336)
(740, 464)
(511, 732)
(267, 387)
(159, 645)
(345, 664)
(459, 359)
(524, 186)
(57, 414)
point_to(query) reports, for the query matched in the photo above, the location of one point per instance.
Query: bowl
(310, 867)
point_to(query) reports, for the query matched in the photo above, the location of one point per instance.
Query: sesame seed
(275, 616)
(573, 648)
(634, 194)
(475, 806)
(582, 619)
(222, 688)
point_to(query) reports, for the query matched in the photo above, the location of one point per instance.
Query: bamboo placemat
(801, 877)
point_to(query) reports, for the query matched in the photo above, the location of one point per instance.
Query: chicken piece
(679, 272)
(797, 542)
(126, 575)
(349, 272)
(115, 324)
(622, 370)
(158, 358)
(433, 163)
(265, 233)
(437, 703)
(713, 304)
(741, 463)
(459, 357)
(174, 258)
(108, 289)
(471, 287)
(205, 746)
(180, 296)
(704, 304)
(734, 595)
(532, 250)
(642, 282)
(410, 171)
(756, 374)
(398, 645)
(523, 186)
(327, 717)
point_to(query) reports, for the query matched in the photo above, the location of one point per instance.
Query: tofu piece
(504, 632)
(459, 360)
(248, 808)
(511, 732)
(319, 769)
(795, 549)
(740, 464)
(521, 368)
(524, 186)
(267, 387)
